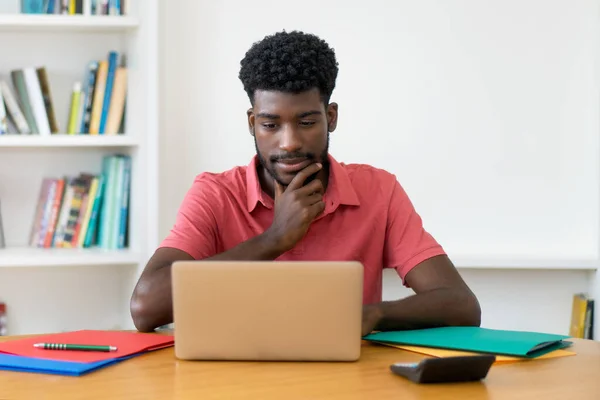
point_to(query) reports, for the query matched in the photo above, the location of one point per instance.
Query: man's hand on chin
(370, 318)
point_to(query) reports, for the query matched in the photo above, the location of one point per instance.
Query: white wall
(66, 298)
(10, 6)
(486, 111)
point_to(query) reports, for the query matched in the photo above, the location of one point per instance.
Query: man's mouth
(290, 165)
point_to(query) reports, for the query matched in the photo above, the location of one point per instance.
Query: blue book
(109, 164)
(110, 79)
(9, 362)
(88, 95)
(50, 9)
(91, 234)
(123, 217)
(32, 7)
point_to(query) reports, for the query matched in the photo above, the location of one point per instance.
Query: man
(296, 202)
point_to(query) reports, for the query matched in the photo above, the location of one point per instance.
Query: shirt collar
(339, 189)
(254, 193)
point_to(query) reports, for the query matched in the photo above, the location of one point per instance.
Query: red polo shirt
(368, 218)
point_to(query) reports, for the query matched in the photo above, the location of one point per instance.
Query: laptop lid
(255, 310)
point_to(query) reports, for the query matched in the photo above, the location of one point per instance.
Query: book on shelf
(97, 106)
(3, 119)
(85, 210)
(2, 240)
(75, 7)
(582, 317)
(3, 319)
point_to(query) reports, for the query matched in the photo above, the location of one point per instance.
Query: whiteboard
(486, 111)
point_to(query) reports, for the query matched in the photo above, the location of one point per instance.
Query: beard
(269, 166)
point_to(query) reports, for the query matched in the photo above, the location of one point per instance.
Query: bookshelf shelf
(39, 257)
(31, 22)
(64, 140)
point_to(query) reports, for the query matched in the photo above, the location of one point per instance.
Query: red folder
(127, 343)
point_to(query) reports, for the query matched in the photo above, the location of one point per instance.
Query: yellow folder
(500, 359)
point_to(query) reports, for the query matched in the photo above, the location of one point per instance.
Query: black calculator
(446, 369)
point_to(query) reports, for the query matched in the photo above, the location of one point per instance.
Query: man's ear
(332, 116)
(250, 114)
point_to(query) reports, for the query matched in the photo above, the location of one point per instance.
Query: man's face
(291, 131)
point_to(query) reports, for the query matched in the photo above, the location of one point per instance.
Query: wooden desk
(159, 375)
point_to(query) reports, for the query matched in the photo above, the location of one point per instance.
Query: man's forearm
(258, 248)
(439, 307)
(152, 304)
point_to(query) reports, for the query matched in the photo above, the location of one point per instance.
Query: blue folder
(9, 362)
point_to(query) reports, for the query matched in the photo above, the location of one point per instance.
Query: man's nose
(290, 140)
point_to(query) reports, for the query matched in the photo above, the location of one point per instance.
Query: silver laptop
(267, 310)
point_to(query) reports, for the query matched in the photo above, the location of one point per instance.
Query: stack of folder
(21, 355)
(508, 346)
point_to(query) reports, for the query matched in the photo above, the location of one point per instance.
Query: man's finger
(278, 189)
(301, 176)
(313, 199)
(317, 209)
(315, 186)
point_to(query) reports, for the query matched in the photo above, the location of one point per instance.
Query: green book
(481, 340)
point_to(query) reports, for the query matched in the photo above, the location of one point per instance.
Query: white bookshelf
(63, 140)
(62, 23)
(83, 288)
(14, 257)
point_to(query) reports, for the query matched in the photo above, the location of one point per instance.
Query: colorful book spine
(18, 79)
(3, 118)
(2, 239)
(47, 211)
(90, 235)
(87, 214)
(36, 100)
(55, 203)
(37, 219)
(92, 70)
(110, 172)
(123, 217)
(47, 96)
(98, 100)
(13, 108)
(117, 103)
(110, 78)
(74, 110)
(85, 210)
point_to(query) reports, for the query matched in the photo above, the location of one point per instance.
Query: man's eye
(269, 126)
(307, 123)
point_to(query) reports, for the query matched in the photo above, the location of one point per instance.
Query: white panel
(486, 111)
(42, 300)
(515, 300)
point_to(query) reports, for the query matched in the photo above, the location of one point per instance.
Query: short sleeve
(407, 243)
(195, 228)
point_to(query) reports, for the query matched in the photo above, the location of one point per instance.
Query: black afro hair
(289, 62)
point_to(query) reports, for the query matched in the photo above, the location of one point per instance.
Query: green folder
(481, 340)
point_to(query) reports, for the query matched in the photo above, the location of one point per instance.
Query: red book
(127, 343)
(56, 202)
